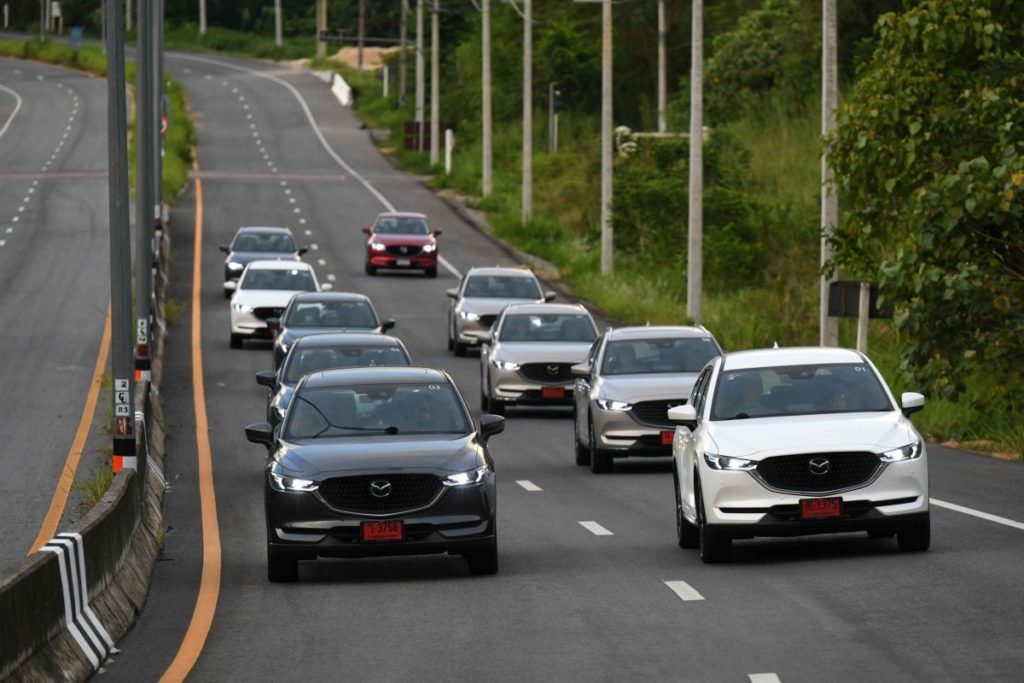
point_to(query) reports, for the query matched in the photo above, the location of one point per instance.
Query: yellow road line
(67, 476)
(209, 585)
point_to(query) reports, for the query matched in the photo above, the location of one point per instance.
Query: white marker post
(449, 144)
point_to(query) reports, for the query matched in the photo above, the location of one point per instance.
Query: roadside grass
(186, 38)
(174, 310)
(96, 484)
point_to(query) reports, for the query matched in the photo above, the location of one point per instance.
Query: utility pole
(278, 25)
(662, 68)
(435, 84)
(695, 241)
(403, 30)
(362, 33)
(607, 233)
(120, 240)
(158, 142)
(321, 28)
(487, 136)
(145, 149)
(527, 207)
(42, 17)
(419, 76)
(202, 17)
(128, 15)
(828, 334)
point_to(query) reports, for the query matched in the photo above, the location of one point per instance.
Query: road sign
(165, 123)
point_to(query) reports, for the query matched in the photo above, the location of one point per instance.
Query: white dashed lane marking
(314, 246)
(684, 590)
(764, 678)
(321, 262)
(528, 485)
(978, 513)
(307, 233)
(330, 277)
(596, 529)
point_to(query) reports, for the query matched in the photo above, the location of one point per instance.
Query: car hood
(290, 334)
(649, 387)
(542, 352)
(342, 456)
(263, 298)
(411, 240)
(489, 306)
(244, 257)
(759, 438)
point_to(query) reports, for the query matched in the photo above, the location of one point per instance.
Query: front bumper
(616, 432)
(469, 331)
(386, 260)
(245, 323)
(511, 388)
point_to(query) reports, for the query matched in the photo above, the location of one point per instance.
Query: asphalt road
(54, 282)
(568, 604)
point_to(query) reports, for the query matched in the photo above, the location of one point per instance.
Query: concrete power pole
(145, 149)
(403, 31)
(202, 17)
(361, 30)
(527, 206)
(662, 68)
(435, 84)
(321, 28)
(828, 334)
(487, 134)
(278, 24)
(420, 94)
(607, 234)
(695, 241)
(127, 15)
(120, 241)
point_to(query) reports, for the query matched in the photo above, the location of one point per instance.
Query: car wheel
(370, 270)
(281, 568)
(582, 452)
(459, 348)
(915, 537)
(431, 272)
(881, 533)
(484, 562)
(228, 293)
(495, 407)
(687, 535)
(236, 341)
(713, 547)
(600, 461)
(485, 404)
(451, 342)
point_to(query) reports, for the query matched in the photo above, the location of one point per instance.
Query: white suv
(787, 442)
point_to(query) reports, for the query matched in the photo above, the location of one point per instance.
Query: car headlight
(908, 452)
(242, 308)
(469, 315)
(607, 404)
(477, 476)
(729, 463)
(429, 248)
(232, 265)
(505, 364)
(291, 484)
(377, 246)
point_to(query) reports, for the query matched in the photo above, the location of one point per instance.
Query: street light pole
(361, 29)
(828, 328)
(435, 84)
(144, 185)
(321, 28)
(662, 68)
(695, 241)
(527, 204)
(607, 235)
(202, 17)
(487, 136)
(403, 31)
(420, 95)
(278, 24)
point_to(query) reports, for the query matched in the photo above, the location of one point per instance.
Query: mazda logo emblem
(404, 250)
(552, 369)
(380, 488)
(819, 466)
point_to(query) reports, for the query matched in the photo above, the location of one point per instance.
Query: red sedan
(401, 240)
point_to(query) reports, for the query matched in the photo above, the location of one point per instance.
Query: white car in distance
(263, 291)
(795, 441)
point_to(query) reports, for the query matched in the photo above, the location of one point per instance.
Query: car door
(582, 392)
(686, 460)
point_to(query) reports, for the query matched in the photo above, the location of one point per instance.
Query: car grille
(267, 312)
(487, 320)
(542, 372)
(408, 492)
(793, 472)
(655, 413)
(404, 250)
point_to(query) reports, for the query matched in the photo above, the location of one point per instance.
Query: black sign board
(844, 300)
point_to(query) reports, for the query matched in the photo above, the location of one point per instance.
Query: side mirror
(366, 229)
(273, 323)
(452, 293)
(911, 401)
(225, 248)
(685, 416)
(491, 425)
(326, 287)
(486, 337)
(230, 285)
(302, 250)
(581, 370)
(549, 295)
(437, 233)
(387, 325)
(266, 378)
(261, 432)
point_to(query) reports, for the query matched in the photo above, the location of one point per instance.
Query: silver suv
(481, 296)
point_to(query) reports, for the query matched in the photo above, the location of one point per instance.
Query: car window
(300, 280)
(331, 314)
(554, 327)
(594, 350)
(798, 390)
(652, 356)
(501, 287)
(302, 361)
(700, 391)
(401, 226)
(413, 408)
(264, 242)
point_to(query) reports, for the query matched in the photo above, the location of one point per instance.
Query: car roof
(545, 309)
(794, 355)
(501, 270)
(657, 332)
(267, 264)
(379, 374)
(401, 214)
(264, 230)
(316, 297)
(339, 339)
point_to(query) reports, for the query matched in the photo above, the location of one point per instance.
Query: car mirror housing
(230, 285)
(582, 370)
(437, 233)
(452, 293)
(266, 378)
(549, 295)
(302, 250)
(273, 323)
(491, 425)
(911, 402)
(260, 432)
(366, 229)
(685, 415)
(225, 248)
(386, 325)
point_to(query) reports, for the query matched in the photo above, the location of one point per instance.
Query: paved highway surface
(54, 282)
(612, 599)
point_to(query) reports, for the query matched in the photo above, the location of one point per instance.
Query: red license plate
(666, 438)
(383, 531)
(552, 392)
(821, 508)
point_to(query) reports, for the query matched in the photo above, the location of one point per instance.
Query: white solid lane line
(684, 590)
(596, 529)
(764, 678)
(528, 485)
(978, 513)
(17, 108)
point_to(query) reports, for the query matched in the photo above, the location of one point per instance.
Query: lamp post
(695, 231)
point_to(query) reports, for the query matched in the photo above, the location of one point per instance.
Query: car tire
(714, 548)
(236, 341)
(459, 348)
(600, 461)
(451, 341)
(485, 404)
(582, 452)
(483, 562)
(687, 535)
(495, 407)
(227, 293)
(431, 272)
(370, 270)
(281, 568)
(916, 537)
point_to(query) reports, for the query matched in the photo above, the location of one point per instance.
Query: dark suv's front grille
(818, 472)
(655, 413)
(264, 313)
(404, 250)
(547, 373)
(357, 494)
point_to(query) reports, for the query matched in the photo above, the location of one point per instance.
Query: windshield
(331, 314)
(558, 327)
(304, 361)
(647, 356)
(421, 408)
(300, 280)
(402, 226)
(798, 390)
(278, 243)
(501, 287)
